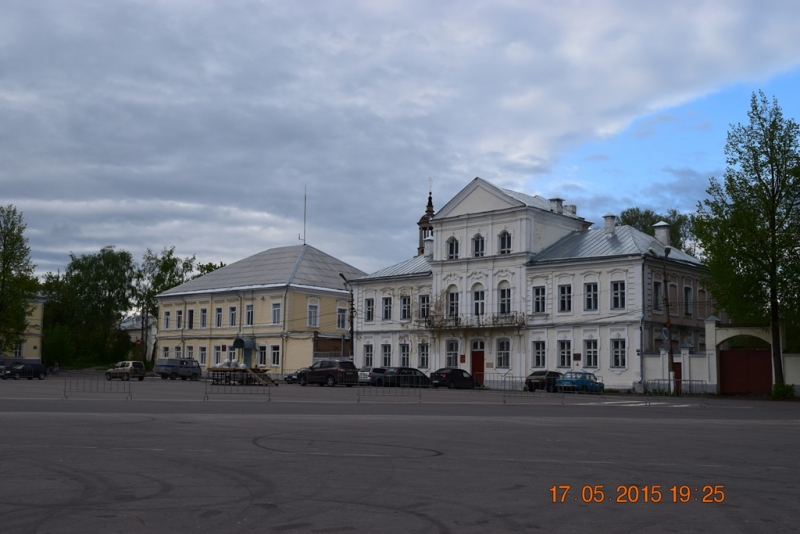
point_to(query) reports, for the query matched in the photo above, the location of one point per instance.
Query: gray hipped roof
(419, 265)
(596, 243)
(297, 265)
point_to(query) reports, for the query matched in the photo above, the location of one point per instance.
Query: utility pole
(352, 314)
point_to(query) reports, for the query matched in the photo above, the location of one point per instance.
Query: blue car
(582, 381)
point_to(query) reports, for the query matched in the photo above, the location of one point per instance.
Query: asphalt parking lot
(170, 457)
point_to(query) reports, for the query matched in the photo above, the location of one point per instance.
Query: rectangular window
(478, 302)
(368, 353)
(386, 351)
(590, 348)
(232, 316)
(423, 356)
(203, 355)
(190, 352)
(565, 354)
(687, 301)
(275, 355)
(405, 308)
(218, 318)
(165, 352)
(248, 315)
(217, 354)
(617, 295)
(178, 352)
(387, 308)
(166, 320)
(452, 304)
(18, 351)
(477, 247)
(341, 318)
(539, 354)
(190, 320)
(503, 353)
(452, 249)
(451, 354)
(405, 355)
(505, 300)
(231, 353)
(262, 355)
(618, 358)
(179, 319)
(424, 306)
(369, 310)
(276, 313)
(313, 315)
(203, 318)
(658, 295)
(505, 243)
(590, 297)
(538, 299)
(564, 299)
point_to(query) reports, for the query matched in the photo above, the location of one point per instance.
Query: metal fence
(676, 387)
(223, 381)
(96, 384)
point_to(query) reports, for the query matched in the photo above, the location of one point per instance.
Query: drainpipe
(641, 322)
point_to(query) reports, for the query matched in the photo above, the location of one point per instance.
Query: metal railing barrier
(96, 384)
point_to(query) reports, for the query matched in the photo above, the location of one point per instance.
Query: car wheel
(583, 389)
(436, 386)
(195, 377)
(16, 376)
(379, 383)
(173, 376)
(184, 377)
(108, 376)
(163, 376)
(141, 377)
(302, 380)
(41, 376)
(126, 377)
(451, 385)
(330, 381)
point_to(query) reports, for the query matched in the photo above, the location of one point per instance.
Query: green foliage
(782, 391)
(205, 268)
(18, 286)
(59, 346)
(747, 227)
(680, 234)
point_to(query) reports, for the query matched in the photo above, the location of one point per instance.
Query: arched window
(452, 248)
(504, 298)
(505, 243)
(477, 246)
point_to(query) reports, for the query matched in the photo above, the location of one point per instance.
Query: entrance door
(678, 376)
(745, 371)
(476, 365)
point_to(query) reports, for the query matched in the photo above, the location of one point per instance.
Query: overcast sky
(198, 123)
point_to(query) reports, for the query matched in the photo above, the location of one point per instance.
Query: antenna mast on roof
(303, 239)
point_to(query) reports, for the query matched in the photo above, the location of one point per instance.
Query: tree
(680, 234)
(18, 285)
(205, 268)
(747, 229)
(156, 275)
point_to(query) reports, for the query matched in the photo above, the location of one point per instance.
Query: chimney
(428, 247)
(557, 205)
(662, 233)
(611, 223)
(571, 209)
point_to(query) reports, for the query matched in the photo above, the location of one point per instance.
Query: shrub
(783, 391)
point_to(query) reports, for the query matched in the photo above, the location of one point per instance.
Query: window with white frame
(202, 355)
(178, 319)
(405, 355)
(190, 352)
(539, 299)
(165, 352)
(276, 313)
(368, 353)
(232, 316)
(405, 308)
(178, 352)
(424, 355)
(565, 298)
(341, 318)
(658, 295)
(451, 354)
(505, 243)
(591, 353)
(452, 302)
(275, 355)
(687, 301)
(618, 358)
(217, 354)
(312, 315)
(369, 310)
(452, 248)
(262, 355)
(539, 354)
(218, 318)
(386, 353)
(478, 300)
(617, 295)
(503, 353)
(231, 353)
(248, 315)
(478, 247)
(424, 306)
(565, 354)
(203, 318)
(387, 309)
(18, 351)
(504, 298)
(590, 297)
(166, 320)
(190, 320)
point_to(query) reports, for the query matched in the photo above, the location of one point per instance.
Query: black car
(25, 370)
(452, 378)
(404, 377)
(545, 380)
(329, 373)
(291, 378)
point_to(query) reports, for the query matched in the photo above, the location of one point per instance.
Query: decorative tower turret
(425, 225)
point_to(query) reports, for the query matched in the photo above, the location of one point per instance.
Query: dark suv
(329, 373)
(545, 380)
(25, 370)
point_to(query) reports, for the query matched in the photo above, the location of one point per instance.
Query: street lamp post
(352, 313)
(671, 360)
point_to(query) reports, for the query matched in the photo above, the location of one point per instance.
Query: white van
(173, 368)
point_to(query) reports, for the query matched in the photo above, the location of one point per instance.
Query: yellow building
(31, 348)
(286, 306)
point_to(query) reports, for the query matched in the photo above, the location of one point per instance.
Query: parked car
(452, 378)
(545, 380)
(329, 373)
(173, 368)
(127, 370)
(364, 374)
(291, 378)
(404, 377)
(25, 370)
(580, 381)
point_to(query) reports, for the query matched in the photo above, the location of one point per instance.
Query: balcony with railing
(486, 321)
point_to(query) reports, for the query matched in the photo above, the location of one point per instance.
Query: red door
(476, 367)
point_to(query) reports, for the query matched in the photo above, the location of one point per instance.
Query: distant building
(284, 307)
(30, 349)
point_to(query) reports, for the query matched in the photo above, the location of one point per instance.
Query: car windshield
(347, 365)
(18, 366)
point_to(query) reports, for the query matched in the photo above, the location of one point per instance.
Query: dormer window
(452, 248)
(505, 243)
(477, 246)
